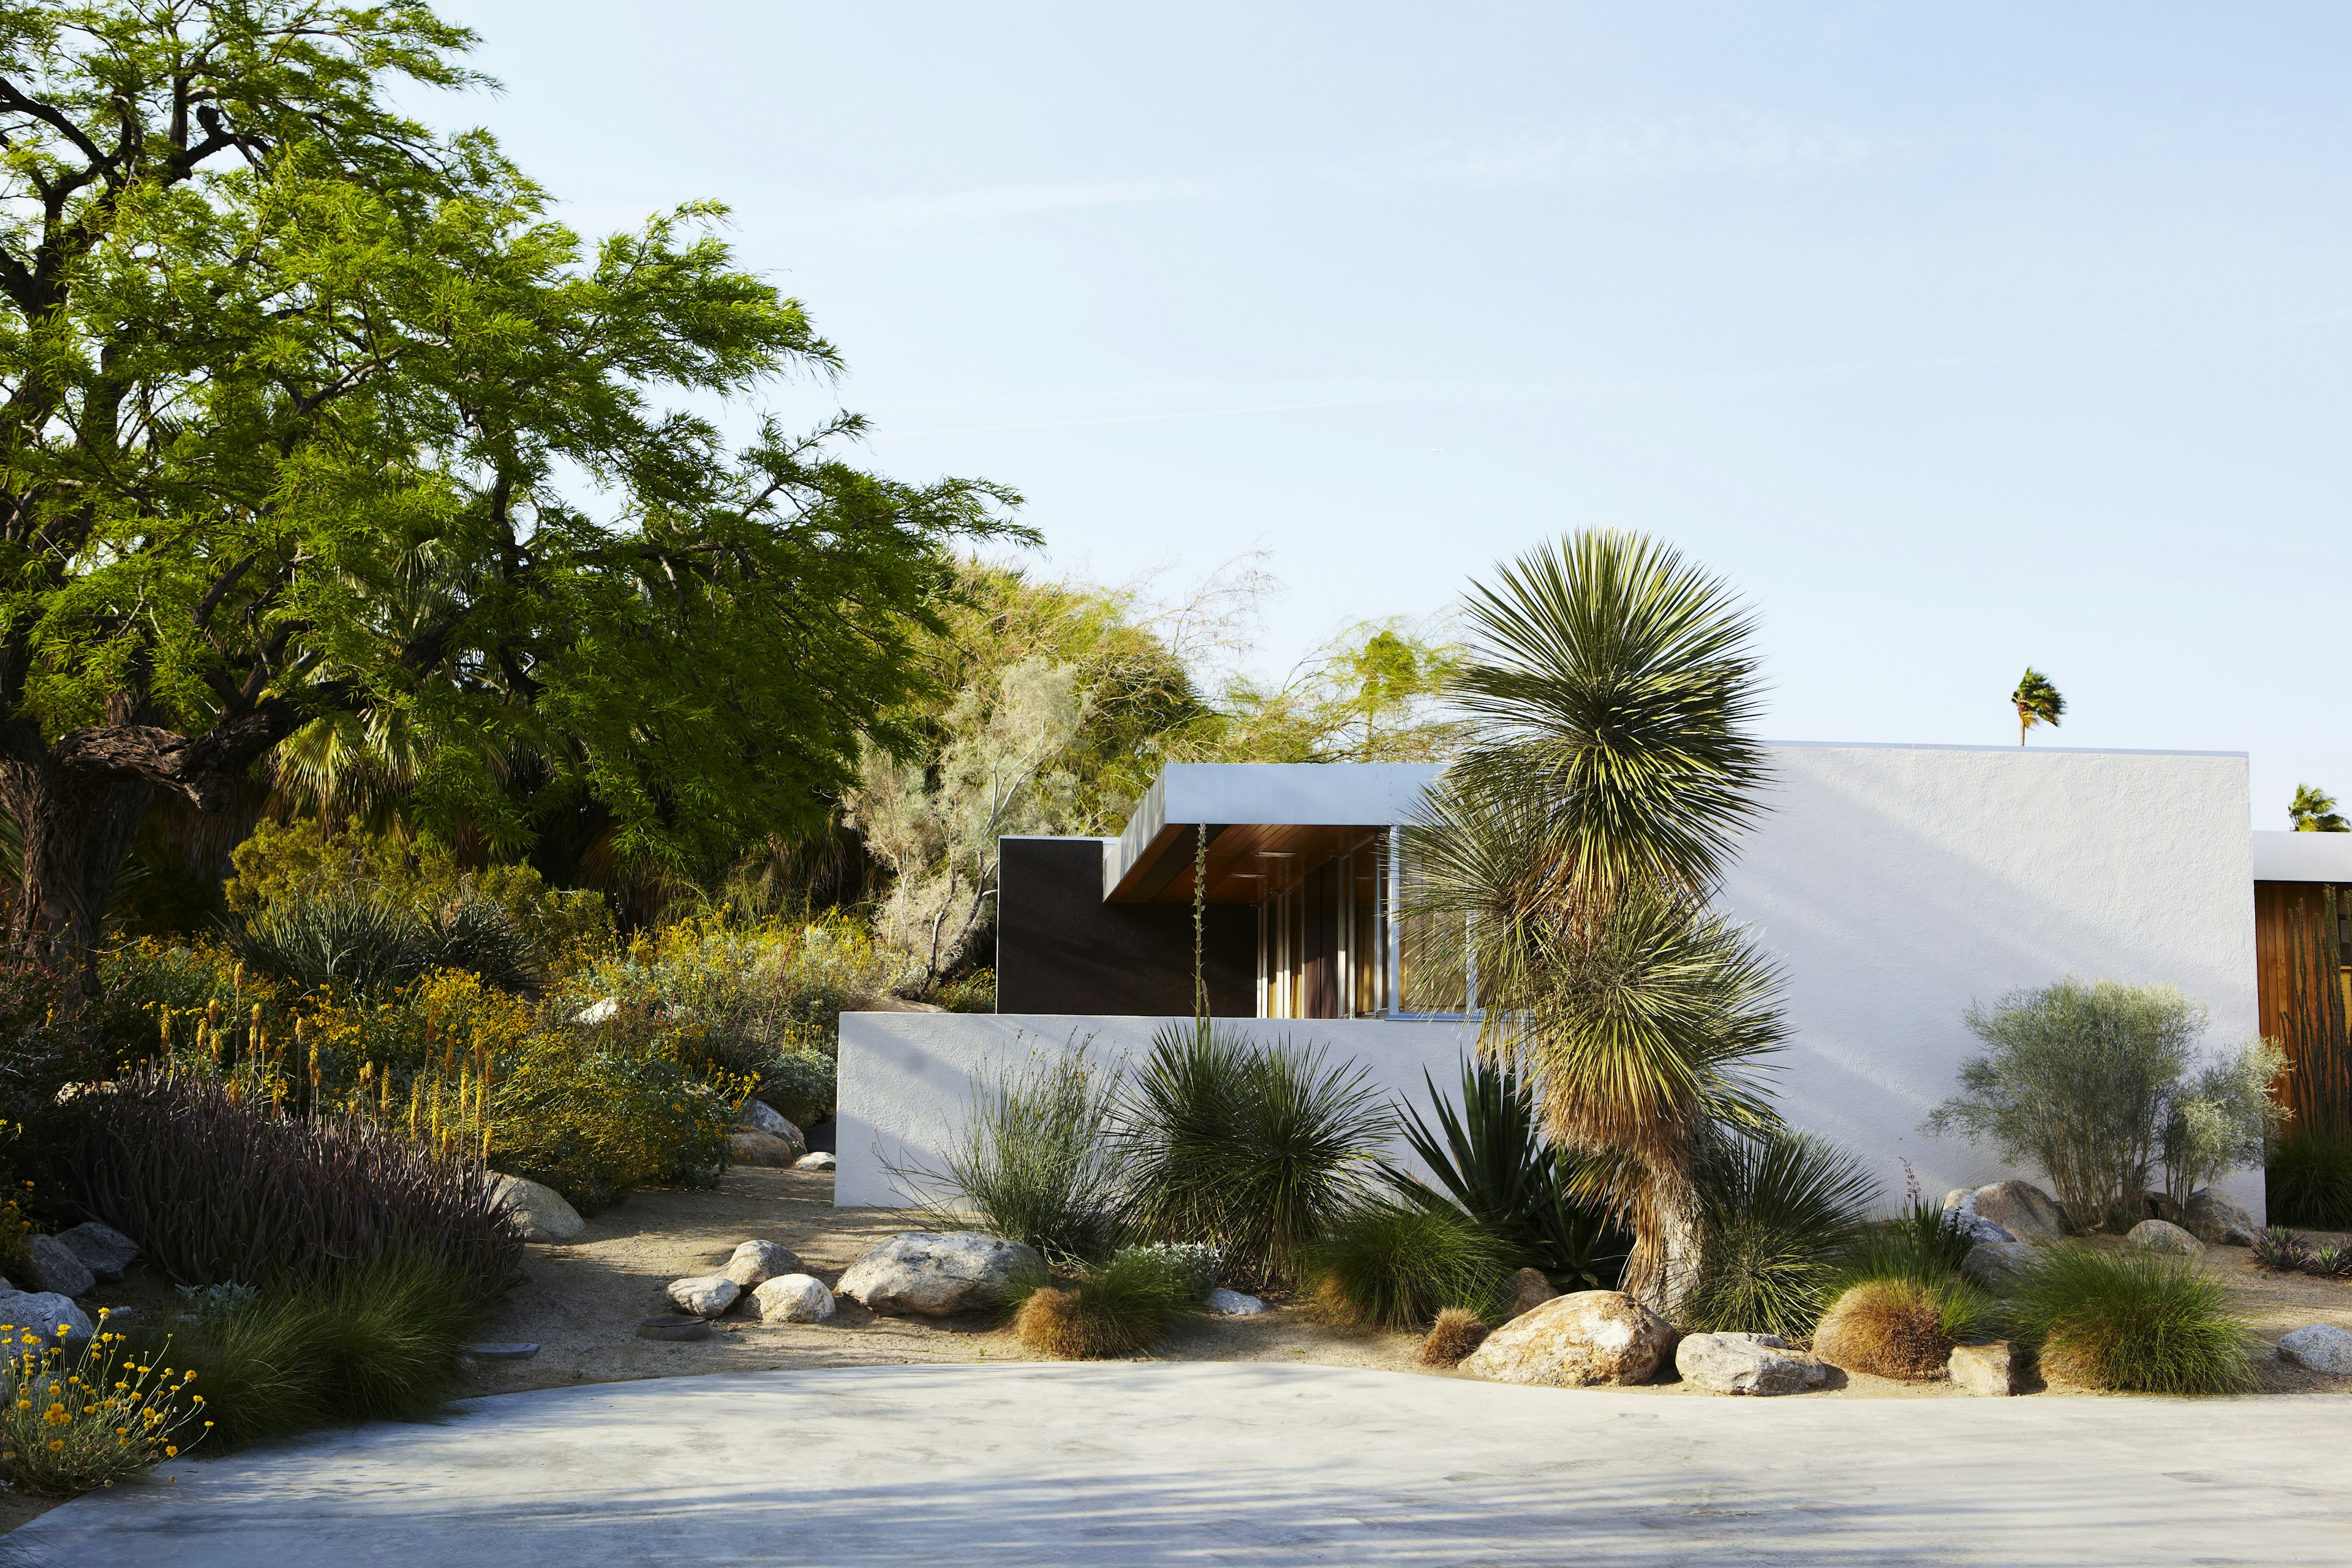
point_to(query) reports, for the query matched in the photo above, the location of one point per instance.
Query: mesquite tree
(311, 416)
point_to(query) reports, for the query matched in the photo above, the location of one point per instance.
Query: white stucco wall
(1893, 884)
(907, 1079)
(1896, 885)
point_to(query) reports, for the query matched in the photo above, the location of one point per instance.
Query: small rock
(2321, 1347)
(704, 1295)
(541, 1211)
(1995, 1369)
(39, 1313)
(1576, 1341)
(793, 1299)
(1759, 1364)
(820, 1161)
(52, 1267)
(603, 1012)
(937, 1274)
(1530, 1289)
(506, 1350)
(756, 1262)
(104, 1251)
(1234, 1304)
(2163, 1235)
(1996, 1263)
(2020, 1209)
(749, 1146)
(1976, 1228)
(2216, 1216)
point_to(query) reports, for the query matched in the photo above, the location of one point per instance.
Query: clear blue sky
(1961, 340)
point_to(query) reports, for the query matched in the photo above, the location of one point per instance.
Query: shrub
(1396, 1265)
(2219, 1120)
(2132, 1318)
(1033, 1163)
(1126, 1306)
(218, 1190)
(1899, 1328)
(595, 1112)
(2075, 1081)
(1775, 1215)
(1496, 1166)
(75, 1417)
(366, 941)
(2310, 1178)
(382, 1340)
(1191, 1261)
(1255, 1148)
(1457, 1333)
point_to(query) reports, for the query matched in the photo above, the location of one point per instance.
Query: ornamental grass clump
(74, 1417)
(381, 1341)
(1124, 1308)
(1396, 1265)
(2311, 1177)
(1457, 1332)
(1900, 1328)
(2132, 1319)
(1033, 1162)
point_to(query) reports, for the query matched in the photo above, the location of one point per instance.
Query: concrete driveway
(1145, 1464)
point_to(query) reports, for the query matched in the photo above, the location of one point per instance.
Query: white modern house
(1894, 885)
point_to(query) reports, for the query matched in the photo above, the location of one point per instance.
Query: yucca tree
(2036, 702)
(1560, 875)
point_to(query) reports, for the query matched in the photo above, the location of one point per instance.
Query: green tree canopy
(313, 415)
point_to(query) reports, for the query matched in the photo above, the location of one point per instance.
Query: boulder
(52, 1267)
(2319, 1347)
(1576, 1341)
(760, 1117)
(755, 1263)
(540, 1211)
(2163, 1235)
(1530, 1289)
(104, 1251)
(2020, 1209)
(933, 1275)
(1745, 1363)
(40, 1313)
(704, 1295)
(793, 1299)
(1995, 1369)
(1958, 1197)
(1978, 1228)
(749, 1146)
(2215, 1217)
(595, 1013)
(1232, 1303)
(1994, 1264)
(820, 1161)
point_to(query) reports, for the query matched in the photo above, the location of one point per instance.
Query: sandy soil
(584, 1300)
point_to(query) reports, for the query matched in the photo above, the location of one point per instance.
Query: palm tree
(2037, 702)
(2312, 810)
(1560, 873)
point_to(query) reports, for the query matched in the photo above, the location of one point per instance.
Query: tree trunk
(74, 830)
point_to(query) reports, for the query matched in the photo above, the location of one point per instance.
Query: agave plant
(2280, 1250)
(1496, 1166)
(362, 939)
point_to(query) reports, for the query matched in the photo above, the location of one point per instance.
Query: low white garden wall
(907, 1079)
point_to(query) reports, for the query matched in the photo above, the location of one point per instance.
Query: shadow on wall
(1896, 887)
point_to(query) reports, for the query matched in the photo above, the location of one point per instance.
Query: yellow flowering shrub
(77, 1417)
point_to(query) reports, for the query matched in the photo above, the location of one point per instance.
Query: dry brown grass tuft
(1455, 1334)
(1887, 1328)
(1053, 1322)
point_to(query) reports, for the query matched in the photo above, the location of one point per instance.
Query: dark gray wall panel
(1060, 949)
